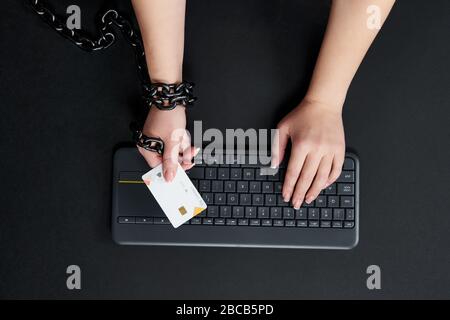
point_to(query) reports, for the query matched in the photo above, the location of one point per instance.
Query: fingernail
(286, 199)
(169, 176)
(309, 200)
(196, 151)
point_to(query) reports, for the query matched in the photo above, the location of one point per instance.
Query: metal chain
(163, 96)
(107, 36)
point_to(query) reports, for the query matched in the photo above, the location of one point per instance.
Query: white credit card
(179, 199)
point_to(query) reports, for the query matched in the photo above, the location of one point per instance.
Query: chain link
(109, 19)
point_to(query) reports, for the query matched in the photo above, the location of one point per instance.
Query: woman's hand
(318, 150)
(170, 126)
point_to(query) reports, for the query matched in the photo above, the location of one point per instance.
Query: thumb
(170, 160)
(279, 144)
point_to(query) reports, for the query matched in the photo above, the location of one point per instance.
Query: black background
(64, 110)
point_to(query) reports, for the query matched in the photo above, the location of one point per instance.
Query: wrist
(330, 103)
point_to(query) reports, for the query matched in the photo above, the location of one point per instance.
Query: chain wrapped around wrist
(153, 144)
(167, 96)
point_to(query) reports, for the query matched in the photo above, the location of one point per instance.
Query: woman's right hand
(170, 126)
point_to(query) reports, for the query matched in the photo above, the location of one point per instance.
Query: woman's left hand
(318, 150)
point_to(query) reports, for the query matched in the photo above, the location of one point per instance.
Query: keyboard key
(225, 211)
(250, 212)
(196, 221)
(337, 224)
(308, 205)
(289, 223)
(321, 201)
(212, 211)
(255, 187)
(333, 201)
(232, 199)
(235, 173)
(331, 189)
(210, 173)
(257, 200)
(255, 222)
(202, 214)
(347, 176)
(325, 224)
(243, 222)
(347, 202)
(301, 214)
(278, 223)
(249, 174)
(280, 201)
(208, 197)
(196, 173)
(275, 176)
(204, 185)
(216, 186)
(220, 198)
(219, 221)
(288, 213)
(259, 176)
(230, 186)
(126, 220)
(338, 214)
(278, 187)
(267, 187)
(263, 212)
(245, 199)
(238, 212)
(349, 164)
(313, 224)
(231, 222)
(350, 214)
(144, 220)
(302, 223)
(349, 224)
(326, 214)
(242, 186)
(276, 213)
(208, 221)
(266, 222)
(161, 221)
(223, 173)
(313, 214)
(271, 200)
(345, 189)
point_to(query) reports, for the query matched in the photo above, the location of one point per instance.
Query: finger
(296, 160)
(189, 153)
(170, 159)
(279, 144)
(153, 159)
(186, 166)
(321, 178)
(336, 169)
(305, 179)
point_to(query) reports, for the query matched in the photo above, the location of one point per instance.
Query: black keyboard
(243, 195)
(245, 208)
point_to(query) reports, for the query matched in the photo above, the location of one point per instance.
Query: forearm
(345, 43)
(162, 27)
